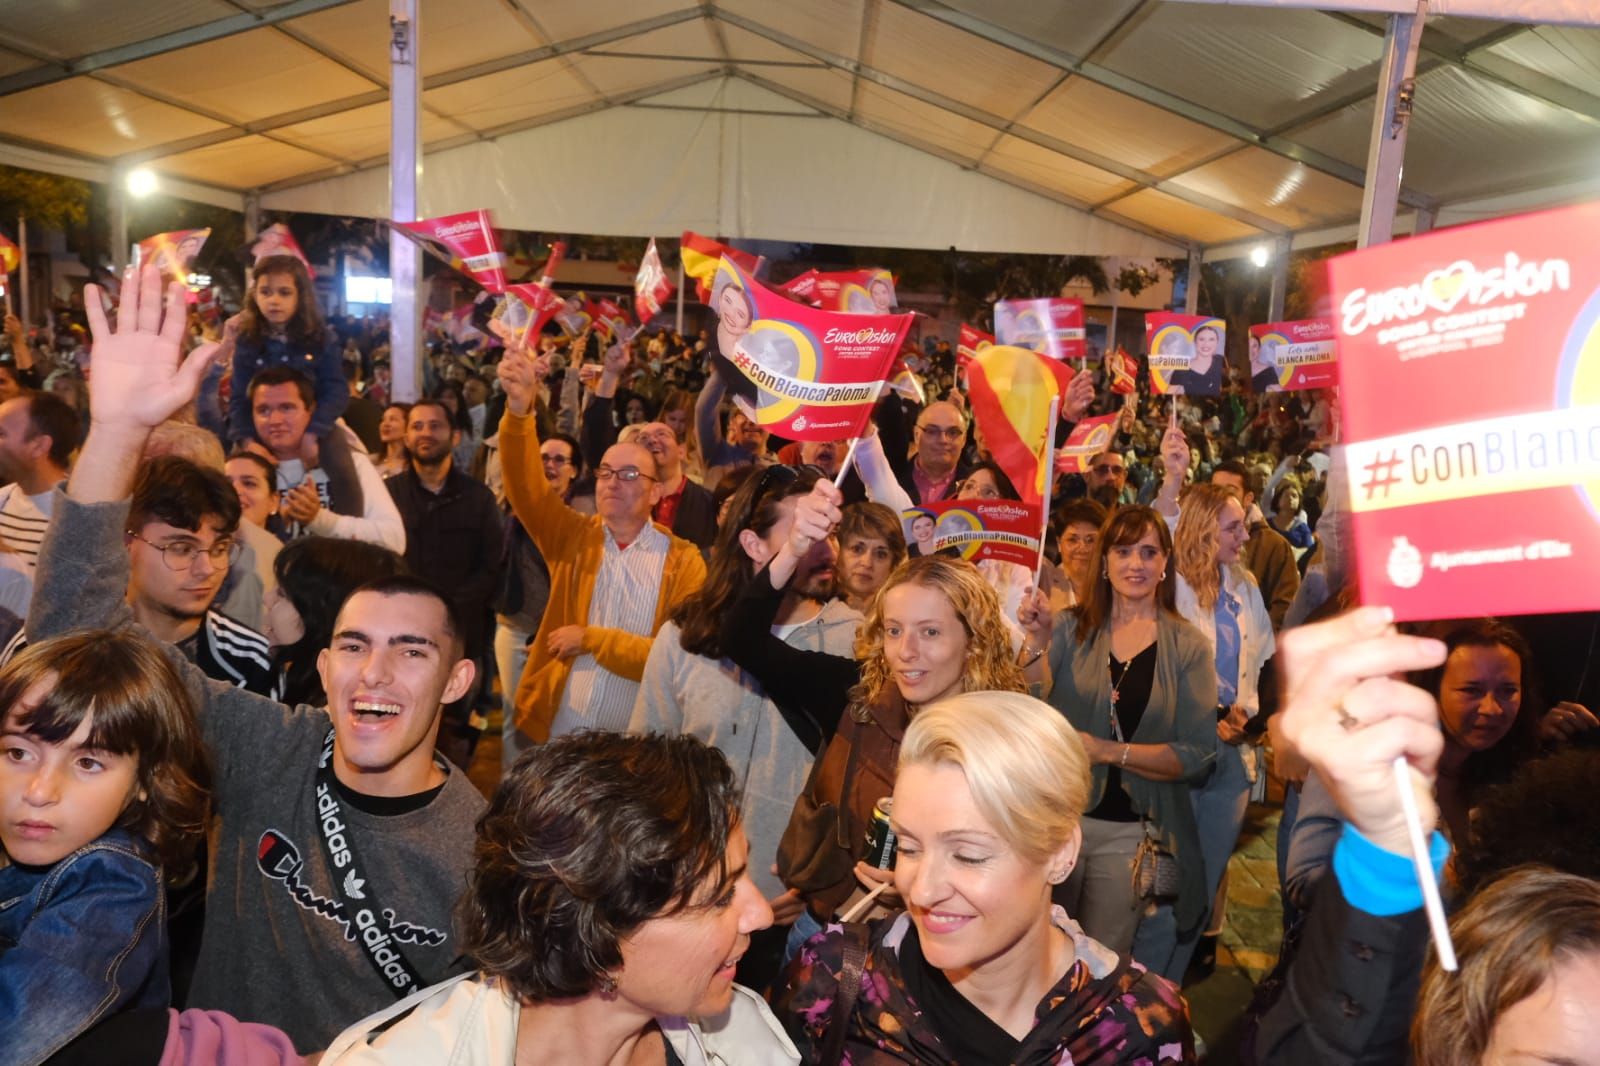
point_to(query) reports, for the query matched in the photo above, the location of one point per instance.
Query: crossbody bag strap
(355, 890)
(844, 1000)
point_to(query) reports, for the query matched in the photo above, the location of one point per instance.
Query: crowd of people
(778, 785)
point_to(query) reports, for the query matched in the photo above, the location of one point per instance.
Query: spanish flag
(1012, 392)
(700, 256)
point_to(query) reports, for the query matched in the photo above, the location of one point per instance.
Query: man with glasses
(934, 470)
(1107, 479)
(615, 576)
(688, 509)
(182, 524)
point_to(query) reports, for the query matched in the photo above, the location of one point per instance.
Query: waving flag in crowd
(1123, 371)
(1005, 530)
(700, 256)
(277, 240)
(651, 286)
(1014, 394)
(174, 251)
(1088, 438)
(972, 341)
(865, 292)
(10, 255)
(1053, 326)
(804, 373)
(466, 241)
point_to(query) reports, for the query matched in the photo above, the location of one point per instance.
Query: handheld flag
(651, 286)
(10, 255)
(1013, 392)
(1186, 353)
(174, 251)
(1053, 326)
(1123, 371)
(466, 241)
(1088, 439)
(1005, 530)
(700, 256)
(277, 240)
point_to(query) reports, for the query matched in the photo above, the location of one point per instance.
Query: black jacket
(454, 538)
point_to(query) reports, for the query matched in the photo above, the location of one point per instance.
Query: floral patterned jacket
(1104, 1010)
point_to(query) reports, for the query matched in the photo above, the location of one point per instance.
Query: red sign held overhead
(1470, 395)
(1186, 353)
(466, 241)
(1294, 355)
(1052, 327)
(1006, 530)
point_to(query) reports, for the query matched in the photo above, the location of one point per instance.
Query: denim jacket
(324, 366)
(79, 940)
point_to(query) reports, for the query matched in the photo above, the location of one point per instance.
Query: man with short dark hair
(340, 842)
(454, 531)
(282, 401)
(1106, 480)
(38, 434)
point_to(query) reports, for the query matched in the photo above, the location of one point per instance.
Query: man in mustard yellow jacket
(615, 576)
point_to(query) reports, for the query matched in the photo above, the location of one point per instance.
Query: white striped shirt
(626, 591)
(23, 520)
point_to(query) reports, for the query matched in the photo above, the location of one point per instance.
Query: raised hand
(1079, 395)
(138, 380)
(815, 516)
(519, 381)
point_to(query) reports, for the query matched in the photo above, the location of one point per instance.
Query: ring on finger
(1347, 721)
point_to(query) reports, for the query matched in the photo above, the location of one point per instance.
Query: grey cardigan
(1181, 714)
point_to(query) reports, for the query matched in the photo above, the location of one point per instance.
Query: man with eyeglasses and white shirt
(615, 576)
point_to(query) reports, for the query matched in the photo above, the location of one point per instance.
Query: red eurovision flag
(1123, 371)
(277, 240)
(971, 341)
(1294, 355)
(1469, 394)
(1005, 530)
(1186, 353)
(805, 374)
(1053, 326)
(10, 255)
(468, 237)
(651, 286)
(527, 308)
(173, 252)
(700, 256)
(1088, 439)
(860, 292)
(1012, 392)
(572, 316)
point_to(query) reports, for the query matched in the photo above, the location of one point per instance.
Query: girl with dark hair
(103, 779)
(280, 325)
(315, 576)
(608, 907)
(392, 458)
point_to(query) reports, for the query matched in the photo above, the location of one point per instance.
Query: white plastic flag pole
(861, 905)
(1419, 856)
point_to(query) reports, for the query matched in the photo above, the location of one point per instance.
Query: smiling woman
(980, 968)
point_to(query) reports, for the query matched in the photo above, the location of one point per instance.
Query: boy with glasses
(615, 576)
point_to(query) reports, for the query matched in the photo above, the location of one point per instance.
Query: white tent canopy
(1132, 127)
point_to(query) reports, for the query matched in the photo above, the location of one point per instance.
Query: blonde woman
(934, 630)
(980, 967)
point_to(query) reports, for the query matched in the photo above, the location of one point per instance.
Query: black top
(1207, 384)
(1131, 681)
(455, 538)
(810, 688)
(970, 1037)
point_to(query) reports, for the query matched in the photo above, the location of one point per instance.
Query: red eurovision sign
(277, 240)
(1006, 530)
(1122, 370)
(1470, 395)
(1088, 439)
(468, 242)
(1052, 326)
(970, 343)
(1293, 355)
(858, 292)
(1186, 353)
(803, 373)
(651, 286)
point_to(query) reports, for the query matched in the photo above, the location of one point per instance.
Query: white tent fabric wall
(630, 171)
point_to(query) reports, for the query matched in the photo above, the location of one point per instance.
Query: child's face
(55, 798)
(277, 297)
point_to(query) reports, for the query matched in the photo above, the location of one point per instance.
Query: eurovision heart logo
(1445, 288)
(1578, 378)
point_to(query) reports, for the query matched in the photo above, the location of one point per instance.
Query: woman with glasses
(1138, 684)
(934, 630)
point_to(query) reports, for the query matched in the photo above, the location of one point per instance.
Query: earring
(1163, 575)
(607, 983)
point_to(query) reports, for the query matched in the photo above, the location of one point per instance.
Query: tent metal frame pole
(1191, 287)
(405, 265)
(119, 219)
(25, 288)
(1280, 278)
(1391, 119)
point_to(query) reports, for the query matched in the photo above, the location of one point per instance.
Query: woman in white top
(1219, 597)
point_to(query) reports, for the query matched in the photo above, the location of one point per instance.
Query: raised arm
(551, 524)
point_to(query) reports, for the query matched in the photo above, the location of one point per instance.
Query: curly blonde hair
(1194, 544)
(991, 663)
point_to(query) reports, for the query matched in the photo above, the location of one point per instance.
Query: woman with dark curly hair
(608, 906)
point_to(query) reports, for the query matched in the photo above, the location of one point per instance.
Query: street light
(1260, 255)
(141, 182)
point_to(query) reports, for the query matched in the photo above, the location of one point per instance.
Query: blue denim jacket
(79, 941)
(324, 366)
